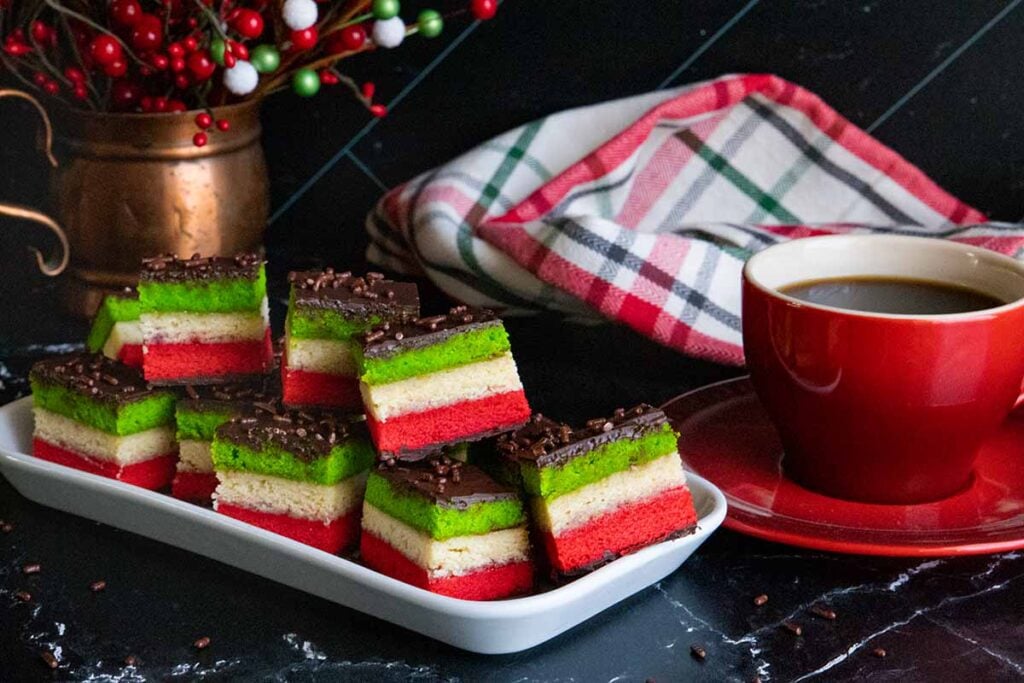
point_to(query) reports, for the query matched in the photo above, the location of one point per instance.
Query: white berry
(241, 79)
(389, 32)
(299, 14)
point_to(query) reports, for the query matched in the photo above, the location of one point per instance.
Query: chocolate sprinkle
(390, 338)
(201, 643)
(306, 435)
(547, 443)
(698, 652)
(6, 527)
(93, 375)
(98, 586)
(879, 652)
(170, 268)
(238, 398)
(23, 596)
(434, 478)
(49, 659)
(823, 612)
(761, 599)
(355, 295)
(131, 660)
(33, 568)
(794, 628)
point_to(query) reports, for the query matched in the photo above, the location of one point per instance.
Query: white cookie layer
(438, 389)
(124, 450)
(211, 328)
(638, 483)
(320, 355)
(194, 456)
(453, 557)
(122, 333)
(301, 499)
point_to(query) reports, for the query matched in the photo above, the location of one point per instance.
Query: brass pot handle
(50, 268)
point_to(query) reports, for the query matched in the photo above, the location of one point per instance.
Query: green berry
(265, 58)
(385, 9)
(431, 23)
(217, 49)
(306, 82)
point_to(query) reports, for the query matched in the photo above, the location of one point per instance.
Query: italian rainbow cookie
(204, 320)
(439, 380)
(294, 473)
(115, 330)
(100, 416)
(326, 312)
(448, 528)
(198, 415)
(603, 491)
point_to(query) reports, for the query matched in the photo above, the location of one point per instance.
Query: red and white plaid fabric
(643, 210)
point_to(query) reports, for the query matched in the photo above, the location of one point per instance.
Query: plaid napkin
(643, 210)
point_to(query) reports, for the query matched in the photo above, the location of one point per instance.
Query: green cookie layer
(461, 349)
(114, 309)
(319, 323)
(438, 522)
(204, 296)
(551, 482)
(199, 425)
(344, 460)
(156, 410)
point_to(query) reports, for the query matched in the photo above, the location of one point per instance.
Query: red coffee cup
(877, 407)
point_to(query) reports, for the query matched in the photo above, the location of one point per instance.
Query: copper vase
(128, 186)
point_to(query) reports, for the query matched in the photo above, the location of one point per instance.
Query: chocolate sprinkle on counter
(698, 652)
(93, 375)
(545, 442)
(6, 527)
(446, 481)
(306, 435)
(49, 659)
(794, 628)
(201, 643)
(823, 612)
(170, 268)
(390, 338)
(33, 568)
(370, 294)
(98, 586)
(131, 660)
(761, 599)
(879, 652)
(23, 596)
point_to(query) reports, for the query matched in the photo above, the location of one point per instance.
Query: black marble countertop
(937, 81)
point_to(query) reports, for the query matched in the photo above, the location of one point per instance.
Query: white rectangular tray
(486, 627)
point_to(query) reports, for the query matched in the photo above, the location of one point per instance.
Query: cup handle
(48, 267)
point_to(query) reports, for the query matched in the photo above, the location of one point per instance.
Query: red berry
(74, 74)
(190, 44)
(327, 78)
(249, 23)
(229, 60)
(238, 50)
(192, 22)
(200, 64)
(483, 9)
(182, 81)
(52, 87)
(176, 107)
(39, 78)
(204, 120)
(304, 39)
(105, 50)
(378, 110)
(199, 139)
(146, 103)
(124, 94)
(368, 90)
(79, 92)
(160, 62)
(148, 32)
(41, 33)
(347, 39)
(223, 125)
(126, 12)
(159, 104)
(176, 50)
(116, 69)
(177, 64)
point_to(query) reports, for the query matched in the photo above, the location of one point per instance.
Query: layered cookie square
(298, 474)
(600, 492)
(438, 380)
(197, 415)
(448, 528)
(115, 331)
(327, 311)
(204, 320)
(99, 416)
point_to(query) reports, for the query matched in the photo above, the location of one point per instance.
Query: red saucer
(726, 437)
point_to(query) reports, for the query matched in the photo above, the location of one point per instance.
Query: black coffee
(891, 295)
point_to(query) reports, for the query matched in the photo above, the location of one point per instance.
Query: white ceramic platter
(486, 627)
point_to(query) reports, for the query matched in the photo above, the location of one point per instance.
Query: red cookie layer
(456, 422)
(130, 354)
(201, 360)
(305, 388)
(623, 530)
(340, 534)
(490, 583)
(194, 486)
(154, 473)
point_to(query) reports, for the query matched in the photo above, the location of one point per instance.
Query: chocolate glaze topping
(307, 435)
(170, 268)
(348, 293)
(446, 482)
(95, 376)
(239, 397)
(390, 338)
(545, 442)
